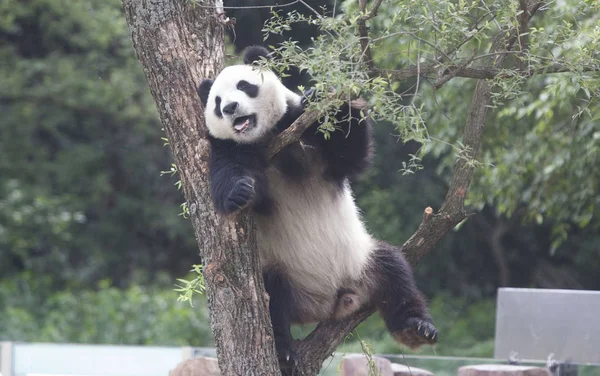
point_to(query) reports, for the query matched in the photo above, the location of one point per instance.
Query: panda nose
(230, 108)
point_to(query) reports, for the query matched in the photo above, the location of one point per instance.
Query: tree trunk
(180, 42)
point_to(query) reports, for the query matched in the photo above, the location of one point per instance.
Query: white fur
(315, 236)
(269, 106)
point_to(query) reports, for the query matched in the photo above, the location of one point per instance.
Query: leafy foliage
(187, 289)
(80, 151)
(559, 108)
(335, 62)
(30, 311)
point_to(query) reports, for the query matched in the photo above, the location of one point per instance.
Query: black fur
(218, 107)
(400, 303)
(292, 76)
(346, 153)
(292, 113)
(204, 90)
(349, 149)
(253, 54)
(291, 163)
(281, 304)
(251, 90)
(230, 108)
(236, 175)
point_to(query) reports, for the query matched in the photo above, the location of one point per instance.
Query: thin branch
(418, 38)
(531, 7)
(432, 45)
(473, 30)
(319, 15)
(523, 26)
(362, 5)
(478, 73)
(363, 32)
(418, 75)
(462, 173)
(249, 6)
(293, 132)
(374, 10)
(445, 78)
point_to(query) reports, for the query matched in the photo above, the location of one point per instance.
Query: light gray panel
(94, 360)
(534, 323)
(6, 359)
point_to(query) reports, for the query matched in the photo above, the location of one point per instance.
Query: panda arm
(348, 150)
(237, 176)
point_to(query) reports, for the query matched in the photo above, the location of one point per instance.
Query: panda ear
(254, 53)
(204, 89)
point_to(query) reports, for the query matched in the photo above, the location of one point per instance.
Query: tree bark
(178, 44)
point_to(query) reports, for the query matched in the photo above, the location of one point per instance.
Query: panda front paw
(308, 95)
(240, 195)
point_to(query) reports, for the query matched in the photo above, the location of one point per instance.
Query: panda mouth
(243, 123)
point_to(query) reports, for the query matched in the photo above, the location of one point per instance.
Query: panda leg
(400, 303)
(280, 308)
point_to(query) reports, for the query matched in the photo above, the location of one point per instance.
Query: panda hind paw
(289, 357)
(416, 332)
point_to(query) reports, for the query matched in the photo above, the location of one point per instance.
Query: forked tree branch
(374, 9)
(323, 341)
(363, 32)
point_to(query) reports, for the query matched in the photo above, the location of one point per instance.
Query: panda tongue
(242, 126)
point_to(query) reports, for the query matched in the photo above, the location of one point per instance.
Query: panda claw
(294, 358)
(287, 354)
(416, 332)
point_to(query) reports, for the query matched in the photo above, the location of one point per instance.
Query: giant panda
(319, 261)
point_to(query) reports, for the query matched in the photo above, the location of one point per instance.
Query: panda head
(244, 103)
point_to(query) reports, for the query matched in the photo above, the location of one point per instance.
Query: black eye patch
(251, 90)
(218, 107)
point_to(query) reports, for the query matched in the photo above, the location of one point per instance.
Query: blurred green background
(91, 240)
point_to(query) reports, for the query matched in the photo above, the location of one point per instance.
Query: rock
(358, 365)
(197, 367)
(402, 370)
